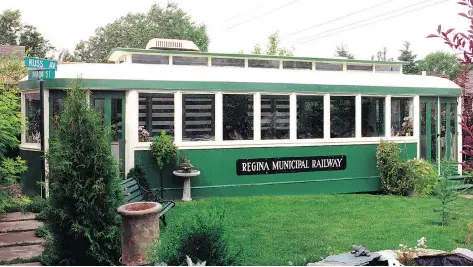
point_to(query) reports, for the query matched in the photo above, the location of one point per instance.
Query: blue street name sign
(40, 63)
(46, 74)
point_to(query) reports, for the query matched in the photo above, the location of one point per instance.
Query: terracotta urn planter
(140, 228)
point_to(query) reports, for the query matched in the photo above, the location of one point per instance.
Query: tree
(85, 188)
(382, 55)
(13, 32)
(441, 63)
(462, 42)
(135, 30)
(408, 56)
(34, 42)
(11, 71)
(272, 48)
(341, 51)
(10, 26)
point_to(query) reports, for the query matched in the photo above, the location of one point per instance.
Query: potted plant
(186, 164)
(163, 151)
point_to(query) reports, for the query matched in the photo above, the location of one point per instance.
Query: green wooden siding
(31, 178)
(240, 87)
(218, 172)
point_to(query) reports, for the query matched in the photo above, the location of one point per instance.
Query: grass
(300, 229)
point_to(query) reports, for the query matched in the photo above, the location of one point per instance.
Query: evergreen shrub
(396, 176)
(85, 188)
(200, 236)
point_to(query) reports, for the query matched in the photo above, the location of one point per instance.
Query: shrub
(200, 236)
(163, 149)
(424, 176)
(396, 176)
(138, 174)
(10, 169)
(447, 194)
(42, 232)
(85, 188)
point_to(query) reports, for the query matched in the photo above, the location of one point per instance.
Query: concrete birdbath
(187, 175)
(140, 228)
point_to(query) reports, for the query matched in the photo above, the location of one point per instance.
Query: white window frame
(356, 124)
(270, 141)
(294, 129)
(292, 140)
(414, 132)
(180, 119)
(251, 141)
(24, 145)
(375, 138)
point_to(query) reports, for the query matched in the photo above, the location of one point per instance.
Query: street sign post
(41, 69)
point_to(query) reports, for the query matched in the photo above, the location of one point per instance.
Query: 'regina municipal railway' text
(287, 165)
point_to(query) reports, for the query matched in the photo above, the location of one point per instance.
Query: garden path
(18, 240)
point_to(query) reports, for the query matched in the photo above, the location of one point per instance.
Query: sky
(313, 28)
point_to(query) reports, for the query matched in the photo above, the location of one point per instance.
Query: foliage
(186, 163)
(10, 169)
(24, 204)
(13, 32)
(85, 187)
(467, 145)
(396, 176)
(163, 149)
(406, 254)
(341, 51)
(382, 55)
(273, 48)
(201, 237)
(42, 232)
(10, 121)
(469, 233)
(425, 176)
(446, 194)
(12, 70)
(459, 41)
(408, 56)
(135, 30)
(441, 63)
(139, 175)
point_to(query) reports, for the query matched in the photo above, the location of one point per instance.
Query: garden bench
(134, 192)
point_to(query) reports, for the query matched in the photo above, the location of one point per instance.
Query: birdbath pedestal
(186, 192)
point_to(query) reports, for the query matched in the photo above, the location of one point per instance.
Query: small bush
(138, 174)
(447, 195)
(10, 170)
(396, 176)
(425, 177)
(37, 205)
(200, 236)
(42, 232)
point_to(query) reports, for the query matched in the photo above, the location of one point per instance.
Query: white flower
(421, 242)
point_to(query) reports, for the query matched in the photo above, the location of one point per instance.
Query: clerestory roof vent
(172, 44)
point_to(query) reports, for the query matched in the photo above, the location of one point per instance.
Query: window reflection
(342, 116)
(237, 117)
(274, 117)
(33, 116)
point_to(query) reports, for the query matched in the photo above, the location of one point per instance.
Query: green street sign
(40, 63)
(46, 74)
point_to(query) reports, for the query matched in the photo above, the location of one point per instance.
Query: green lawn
(277, 230)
